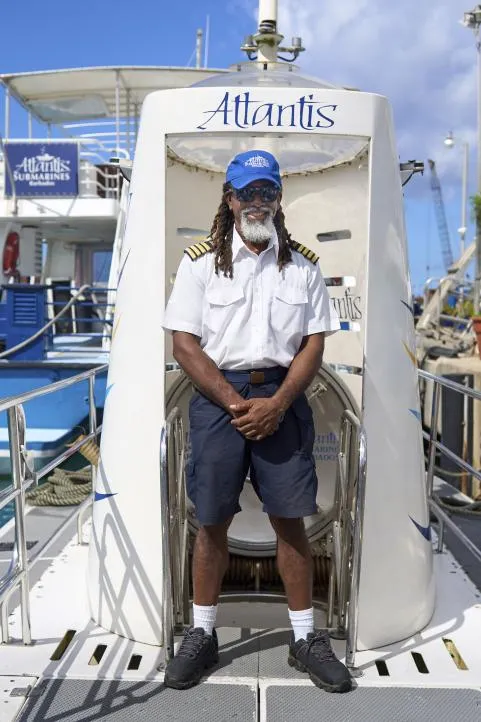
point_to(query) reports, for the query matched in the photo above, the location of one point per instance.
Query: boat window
(296, 153)
(101, 261)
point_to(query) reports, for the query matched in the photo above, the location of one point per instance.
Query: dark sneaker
(315, 656)
(197, 652)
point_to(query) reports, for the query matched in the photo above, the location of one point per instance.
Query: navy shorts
(281, 466)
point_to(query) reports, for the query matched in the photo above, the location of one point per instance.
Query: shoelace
(191, 644)
(320, 647)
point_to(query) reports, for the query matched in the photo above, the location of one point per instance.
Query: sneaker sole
(345, 686)
(174, 684)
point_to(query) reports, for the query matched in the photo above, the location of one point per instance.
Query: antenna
(207, 38)
(267, 16)
(198, 48)
(265, 46)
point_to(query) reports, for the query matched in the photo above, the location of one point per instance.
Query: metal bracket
(317, 390)
(22, 691)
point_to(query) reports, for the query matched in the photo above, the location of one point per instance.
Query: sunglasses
(267, 193)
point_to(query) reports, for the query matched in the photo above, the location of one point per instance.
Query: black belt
(256, 376)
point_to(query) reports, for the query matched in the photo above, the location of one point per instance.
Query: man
(249, 312)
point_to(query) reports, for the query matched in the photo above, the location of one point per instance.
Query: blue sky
(415, 53)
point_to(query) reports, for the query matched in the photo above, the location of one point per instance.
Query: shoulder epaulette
(199, 249)
(306, 252)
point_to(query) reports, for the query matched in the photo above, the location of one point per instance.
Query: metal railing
(175, 593)
(23, 478)
(437, 446)
(347, 533)
(432, 317)
(94, 182)
(87, 309)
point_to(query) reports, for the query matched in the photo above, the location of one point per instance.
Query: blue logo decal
(417, 414)
(242, 111)
(425, 530)
(108, 390)
(98, 496)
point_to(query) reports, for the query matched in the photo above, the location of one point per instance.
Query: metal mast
(441, 217)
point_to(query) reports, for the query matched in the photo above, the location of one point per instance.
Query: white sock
(302, 623)
(204, 617)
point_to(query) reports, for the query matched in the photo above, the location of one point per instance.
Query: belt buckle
(256, 377)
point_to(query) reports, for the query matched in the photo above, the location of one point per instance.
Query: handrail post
(174, 531)
(336, 526)
(432, 438)
(350, 434)
(349, 513)
(172, 463)
(331, 595)
(184, 532)
(353, 616)
(93, 468)
(167, 606)
(439, 546)
(177, 516)
(16, 429)
(183, 601)
(4, 621)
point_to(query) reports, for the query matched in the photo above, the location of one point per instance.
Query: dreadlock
(285, 256)
(222, 232)
(221, 235)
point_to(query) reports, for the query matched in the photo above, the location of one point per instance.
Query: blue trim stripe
(425, 530)
(417, 414)
(98, 496)
(108, 390)
(123, 268)
(409, 308)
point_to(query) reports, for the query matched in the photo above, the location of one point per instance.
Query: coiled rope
(454, 505)
(64, 487)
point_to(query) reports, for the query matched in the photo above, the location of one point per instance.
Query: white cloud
(415, 52)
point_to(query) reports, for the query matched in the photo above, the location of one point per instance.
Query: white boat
(61, 224)
(103, 607)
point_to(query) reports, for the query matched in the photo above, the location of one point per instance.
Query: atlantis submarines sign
(245, 110)
(42, 169)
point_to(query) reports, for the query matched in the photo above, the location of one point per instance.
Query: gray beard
(257, 232)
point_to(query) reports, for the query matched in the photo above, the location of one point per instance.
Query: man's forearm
(204, 373)
(301, 371)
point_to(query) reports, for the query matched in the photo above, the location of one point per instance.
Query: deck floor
(252, 680)
(82, 700)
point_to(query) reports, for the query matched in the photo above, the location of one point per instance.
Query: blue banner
(42, 169)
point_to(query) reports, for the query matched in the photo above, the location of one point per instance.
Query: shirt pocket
(288, 309)
(223, 305)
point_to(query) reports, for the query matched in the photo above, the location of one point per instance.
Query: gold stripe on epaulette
(306, 252)
(206, 245)
(199, 249)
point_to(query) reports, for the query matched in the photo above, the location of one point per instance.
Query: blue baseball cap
(251, 166)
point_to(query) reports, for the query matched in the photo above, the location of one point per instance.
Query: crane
(441, 217)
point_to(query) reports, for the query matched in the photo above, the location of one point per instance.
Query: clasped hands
(256, 418)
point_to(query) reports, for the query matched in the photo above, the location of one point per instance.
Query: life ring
(11, 254)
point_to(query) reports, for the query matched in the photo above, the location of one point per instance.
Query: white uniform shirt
(258, 318)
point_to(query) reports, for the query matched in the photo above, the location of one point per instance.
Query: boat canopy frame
(105, 100)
